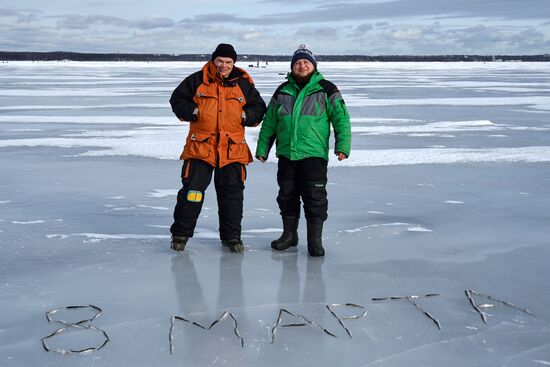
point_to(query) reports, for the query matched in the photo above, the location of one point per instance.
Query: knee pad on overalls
(194, 196)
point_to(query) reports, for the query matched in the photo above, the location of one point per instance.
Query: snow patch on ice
(84, 107)
(154, 207)
(167, 143)
(418, 229)
(438, 126)
(119, 120)
(24, 130)
(394, 228)
(125, 236)
(121, 208)
(424, 135)
(28, 222)
(263, 230)
(58, 236)
(376, 120)
(206, 233)
(540, 361)
(84, 92)
(536, 102)
(453, 202)
(161, 193)
(96, 237)
(5, 201)
(390, 157)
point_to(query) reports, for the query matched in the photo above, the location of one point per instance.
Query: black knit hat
(225, 50)
(303, 53)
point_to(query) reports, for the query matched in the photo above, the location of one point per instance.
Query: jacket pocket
(321, 133)
(234, 109)
(207, 105)
(198, 145)
(236, 146)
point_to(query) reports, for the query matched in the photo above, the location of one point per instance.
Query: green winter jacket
(299, 120)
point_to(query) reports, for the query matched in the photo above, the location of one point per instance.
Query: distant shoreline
(254, 58)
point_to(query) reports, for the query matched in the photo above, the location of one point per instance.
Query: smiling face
(224, 65)
(302, 69)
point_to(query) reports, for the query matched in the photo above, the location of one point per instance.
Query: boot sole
(178, 247)
(237, 249)
(316, 252)
(274, 245)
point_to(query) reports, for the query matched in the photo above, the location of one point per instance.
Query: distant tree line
(77, 56)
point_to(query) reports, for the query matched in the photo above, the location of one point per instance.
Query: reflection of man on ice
(218, 101)
(298, 118)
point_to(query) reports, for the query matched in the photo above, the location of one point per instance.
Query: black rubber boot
(234, 245)
(178, 243)
(289, 236)
(314, 238)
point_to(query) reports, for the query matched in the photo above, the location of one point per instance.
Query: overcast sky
(371, 27)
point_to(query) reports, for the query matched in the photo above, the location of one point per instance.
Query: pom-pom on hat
(225, 50)
(303, 53)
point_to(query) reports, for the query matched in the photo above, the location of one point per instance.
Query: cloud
(153, 22)
(361, 31)
(85, 22)
(353, 27)
(331, 12)
(327, 33)
(504, 9)
(21, 16)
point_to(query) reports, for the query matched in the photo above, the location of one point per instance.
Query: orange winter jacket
(225, 106)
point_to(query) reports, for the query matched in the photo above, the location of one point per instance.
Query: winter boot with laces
(289, 236)
(234, 245)
(314, 238)
(178, 243)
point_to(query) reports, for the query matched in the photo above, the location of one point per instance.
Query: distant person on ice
(298, 118)
(218, 101)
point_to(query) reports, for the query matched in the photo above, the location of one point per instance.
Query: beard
(302, 79)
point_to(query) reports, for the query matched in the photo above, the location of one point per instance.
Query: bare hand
(261, 159)
(341, 156)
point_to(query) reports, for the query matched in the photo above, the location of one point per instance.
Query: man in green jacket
(298, 118)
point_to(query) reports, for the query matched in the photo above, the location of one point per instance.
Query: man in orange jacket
(218, 101)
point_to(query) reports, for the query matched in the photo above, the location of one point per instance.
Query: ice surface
(446, 189)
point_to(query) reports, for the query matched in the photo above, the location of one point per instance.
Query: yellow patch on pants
(194, 196)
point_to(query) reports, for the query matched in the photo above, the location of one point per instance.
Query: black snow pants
(229, 183)
(305, 178)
